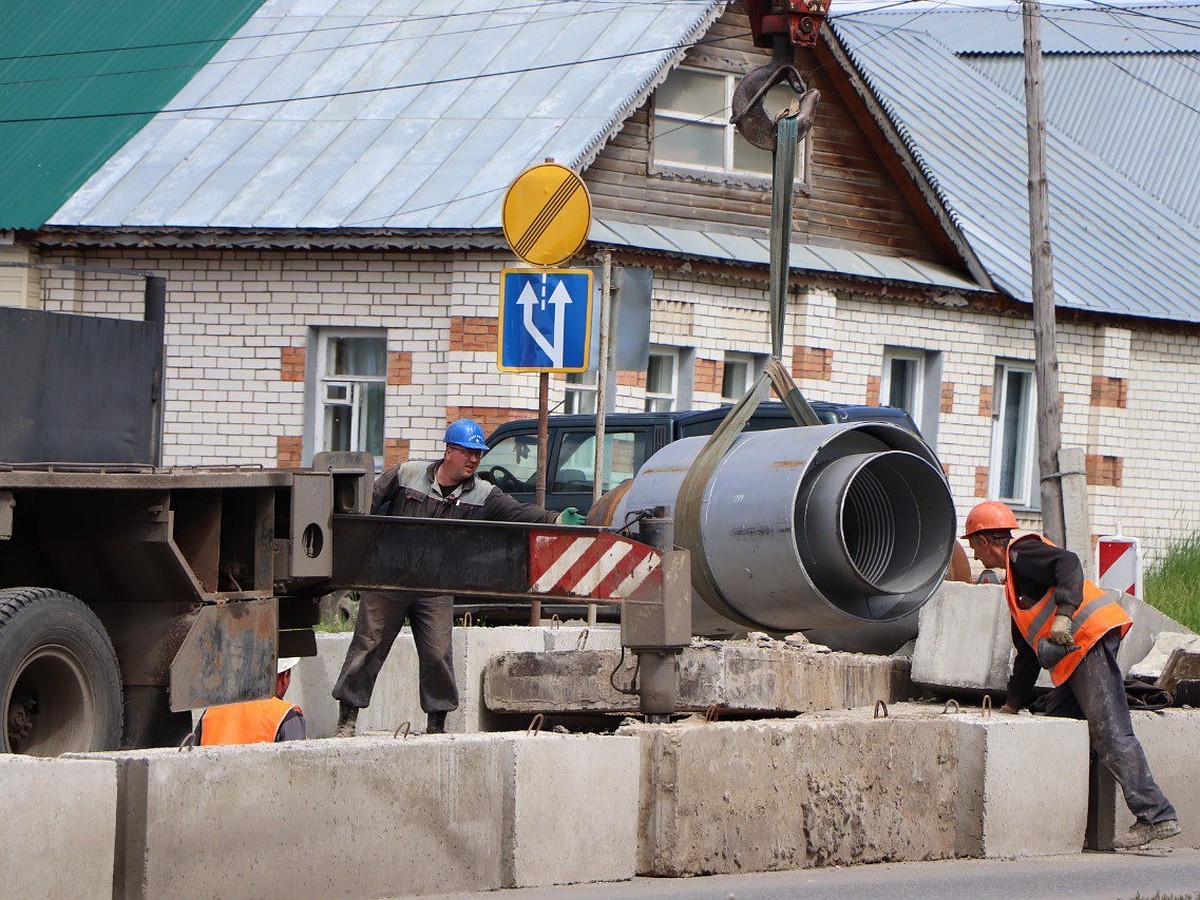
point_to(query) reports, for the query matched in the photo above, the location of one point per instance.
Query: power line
(361, 91)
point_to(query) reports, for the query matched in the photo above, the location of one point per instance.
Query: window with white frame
(662, 379)
(691, 125)
(738, 374)
(903, 381)
(580, 393)
(1013, 469)
(351, 380)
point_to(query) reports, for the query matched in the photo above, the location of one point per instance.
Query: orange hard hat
(990, 515)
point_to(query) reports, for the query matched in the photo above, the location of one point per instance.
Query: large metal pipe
(829, 527)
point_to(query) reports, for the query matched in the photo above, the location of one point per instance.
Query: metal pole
(1049, 410)
(601, 391)
(543, 450)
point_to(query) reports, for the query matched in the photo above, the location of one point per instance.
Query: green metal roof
(78, 78)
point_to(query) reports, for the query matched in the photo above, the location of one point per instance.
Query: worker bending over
(256, 721)
(445, 488)
(1065, 623)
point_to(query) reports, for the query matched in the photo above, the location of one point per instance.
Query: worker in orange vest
(1065, 623)
(255, 721)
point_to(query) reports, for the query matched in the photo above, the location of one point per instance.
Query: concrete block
(826, 789)
(1171, 739)
(735, 676)
(362, 818)
(594, 637)
(1148, 624)
(61, 819)
(1151, 666)
(575, 805)
(312, 680)
(998, 819)
(964, 639)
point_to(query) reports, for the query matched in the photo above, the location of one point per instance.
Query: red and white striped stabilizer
(603, 566)
(1119, 564)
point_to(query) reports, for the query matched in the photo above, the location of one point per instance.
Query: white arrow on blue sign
(545, 320)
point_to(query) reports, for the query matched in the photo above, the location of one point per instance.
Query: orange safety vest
(253, 722)
(1098, 614)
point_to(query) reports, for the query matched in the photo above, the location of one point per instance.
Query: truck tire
(60, 685)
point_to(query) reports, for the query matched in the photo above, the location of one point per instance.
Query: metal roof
(70, 72)
(388, 113)
(1116, 249)
(802, 257)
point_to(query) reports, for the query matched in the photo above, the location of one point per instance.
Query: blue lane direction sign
(545, 320)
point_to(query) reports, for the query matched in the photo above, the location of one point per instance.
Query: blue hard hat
(465, 433)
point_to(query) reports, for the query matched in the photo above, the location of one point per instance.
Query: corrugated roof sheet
(407, 113)
(71, 70)
(1116, 249)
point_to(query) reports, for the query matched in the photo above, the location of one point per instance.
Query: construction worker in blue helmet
(443, 488)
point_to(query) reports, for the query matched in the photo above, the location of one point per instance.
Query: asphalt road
(1145, 874)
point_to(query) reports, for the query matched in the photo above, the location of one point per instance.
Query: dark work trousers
(380, 618)
(1096, 692)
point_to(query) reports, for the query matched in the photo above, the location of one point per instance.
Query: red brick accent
(488, 417)
(981, 481)
(287, 451)
(707, 375)
(395, 451)
(1104, 471)
(474, 334)
(1108, 391)
(291, 364)
(872, 390)
(947, 397)
(812, 362)
(985, 400)
(629, 378)
(399, 369)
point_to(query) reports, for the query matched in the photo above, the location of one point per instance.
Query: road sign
(545, 320)
(547, 214)
(1119, 564)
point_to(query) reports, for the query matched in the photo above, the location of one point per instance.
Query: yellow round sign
(547, 214)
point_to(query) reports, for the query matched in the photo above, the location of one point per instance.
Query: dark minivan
(629, 440)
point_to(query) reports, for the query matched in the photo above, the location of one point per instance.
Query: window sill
(711, 176)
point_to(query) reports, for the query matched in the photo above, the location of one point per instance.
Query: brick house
(333, 261)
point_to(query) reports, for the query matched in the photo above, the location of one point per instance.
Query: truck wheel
(60, 686)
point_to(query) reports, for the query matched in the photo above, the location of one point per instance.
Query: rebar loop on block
(987, 705)
(406, 727)
(712, 713)
(555, 622)
(582, 640)
(879, 704)
(188, 742)
(946, 708)
(535, 725)
(467, 620)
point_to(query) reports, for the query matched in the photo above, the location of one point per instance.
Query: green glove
(571, 516)
(1060, 631)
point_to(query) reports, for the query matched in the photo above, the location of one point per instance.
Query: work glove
(1060, 631)
(571, 516)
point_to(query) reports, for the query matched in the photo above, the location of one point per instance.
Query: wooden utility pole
(1049, 409)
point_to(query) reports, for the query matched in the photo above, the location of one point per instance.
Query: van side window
(624, 453)
(512, 464)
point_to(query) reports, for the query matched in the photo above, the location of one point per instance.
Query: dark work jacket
(411, 489)
(1036, 567)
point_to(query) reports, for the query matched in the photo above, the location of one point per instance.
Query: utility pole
(1049, 409)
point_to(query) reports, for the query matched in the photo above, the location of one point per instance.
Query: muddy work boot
(1141, 833)
(436, 723)
(347, 720)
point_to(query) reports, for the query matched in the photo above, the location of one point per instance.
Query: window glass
(624, 453)
(660, 382)
(736, 377)
(689, 144)
(694, 92)
(351, 390)
(1015, 419)
(580, 393)
(512, 464)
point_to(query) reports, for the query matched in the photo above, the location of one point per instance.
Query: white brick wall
(230, 314)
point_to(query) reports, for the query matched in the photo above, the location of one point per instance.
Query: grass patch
(1173, 584)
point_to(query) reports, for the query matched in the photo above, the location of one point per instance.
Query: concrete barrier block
(362, 818)
(594, 637)
(964, 639)
(61, 819)
(312, 680)
(738, 676)
(1003, 806)
(1171, 739)
(825, 789)
(575, 802)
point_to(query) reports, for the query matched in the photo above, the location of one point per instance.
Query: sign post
(545, 313)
